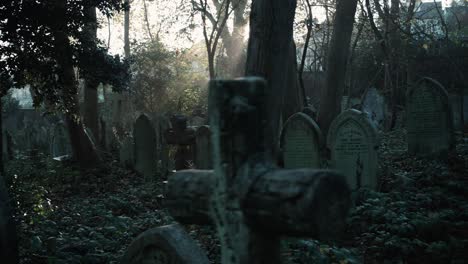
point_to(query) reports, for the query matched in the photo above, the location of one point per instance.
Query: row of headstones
(353, 141)
(375, 104)
(50, 140)
(147, 150)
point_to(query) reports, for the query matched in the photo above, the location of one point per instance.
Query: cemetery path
(420, 214)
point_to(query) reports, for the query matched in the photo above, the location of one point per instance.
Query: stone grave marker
(197, 121)
(145, 147)
(375, 105)
(162, 124)
(301, 141)
(352, 141)
(203, 155)
(60, 141)
(428, 119)
(252, 202)
(127, 152)
(183, 137)
(344, 103)
(164, 245)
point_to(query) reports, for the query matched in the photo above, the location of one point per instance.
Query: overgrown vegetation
(419, 216)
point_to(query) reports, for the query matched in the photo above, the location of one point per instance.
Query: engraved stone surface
(352, 140)
(145, 147)
(164, 245)
(429, 119)
(301, 140)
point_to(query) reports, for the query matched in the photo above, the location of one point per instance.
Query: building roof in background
(428, 10)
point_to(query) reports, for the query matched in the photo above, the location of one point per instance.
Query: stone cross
(252, 202)
(184, 138)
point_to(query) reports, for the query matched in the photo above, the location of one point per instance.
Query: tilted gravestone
(127, 152)
(428, 119)
(203, 155)
(164, 245)
(301, 141)
(374, 104)
(252, 202)
(145, 147)
(352, 141)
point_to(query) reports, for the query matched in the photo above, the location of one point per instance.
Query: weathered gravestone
(374, 104)
(203, 155)
(301, 141)
(60, 144)
(164, 245)
(344, 103)
(127, 152)
(8, 238)
(251, 202)
(183, 138)
(145, 147)
(428, 119)
(352, 141)
(162, 124)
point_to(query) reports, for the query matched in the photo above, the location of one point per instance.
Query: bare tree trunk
(90, 116)
(233, 43)
(271, 35)
(336, 62)
(304, 51)
(127, 30)
(148, 26)
(83, 149)
(295, 95)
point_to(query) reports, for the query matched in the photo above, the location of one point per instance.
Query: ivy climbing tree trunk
(269, 56)
(336, 62)
(83, 149)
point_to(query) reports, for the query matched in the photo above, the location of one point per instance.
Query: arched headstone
(429, 118)
(164, 245)
(301, 141)
(145, 147)
(352, 140)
